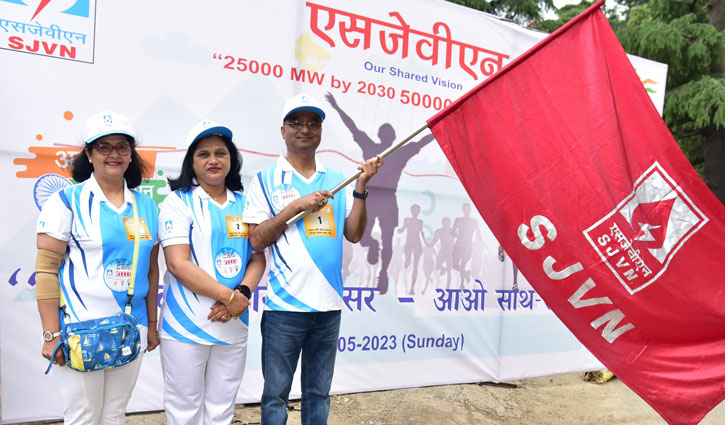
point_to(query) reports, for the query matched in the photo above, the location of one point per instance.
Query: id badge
(130, 225)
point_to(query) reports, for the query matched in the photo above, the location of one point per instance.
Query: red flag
(580, 180)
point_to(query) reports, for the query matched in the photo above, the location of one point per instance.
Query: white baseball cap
(302, 102)
(106, 123)
(206, 128)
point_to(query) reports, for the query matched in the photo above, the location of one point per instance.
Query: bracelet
(231, 297)
(244, 289)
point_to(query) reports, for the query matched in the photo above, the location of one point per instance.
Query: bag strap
(52, 356)
(134, 262)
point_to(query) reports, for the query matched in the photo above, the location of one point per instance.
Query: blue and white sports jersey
(219, 244)
(305, 263)
(96, 272)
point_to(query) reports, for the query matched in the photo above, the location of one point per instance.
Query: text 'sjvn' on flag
(580, 180)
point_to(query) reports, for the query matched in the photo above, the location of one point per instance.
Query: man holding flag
(304, 296)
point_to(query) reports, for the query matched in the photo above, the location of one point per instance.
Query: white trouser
(201, 381)
(99, 397)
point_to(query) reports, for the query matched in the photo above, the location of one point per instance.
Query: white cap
(106, 123)
(206, 128)
(302, 102)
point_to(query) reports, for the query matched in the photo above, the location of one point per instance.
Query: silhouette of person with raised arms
(384, 204)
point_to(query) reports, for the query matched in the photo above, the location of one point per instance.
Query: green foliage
(700, 102)
(566, 13)
(688, 44)
(520, 11)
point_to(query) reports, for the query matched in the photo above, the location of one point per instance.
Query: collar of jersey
(199, 191)
(286, 166)
(99, 196)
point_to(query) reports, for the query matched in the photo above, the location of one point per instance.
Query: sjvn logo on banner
(58, 28)
(584, 186)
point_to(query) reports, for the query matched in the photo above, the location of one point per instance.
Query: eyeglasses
(105, 149)
(297, 125)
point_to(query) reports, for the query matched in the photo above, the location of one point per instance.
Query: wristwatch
(49, 336)
(358, 195)
(244, 289)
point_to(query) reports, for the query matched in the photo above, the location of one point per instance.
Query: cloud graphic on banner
(26, 295)
(311, 55)
(175, 46)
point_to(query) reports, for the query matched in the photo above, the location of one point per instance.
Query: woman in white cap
(85, 253)
(212, 272)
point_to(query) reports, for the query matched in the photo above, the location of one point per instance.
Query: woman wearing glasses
(86, 235)
(212, 272)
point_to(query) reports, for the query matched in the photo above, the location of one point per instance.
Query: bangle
(231, 297)
(244, 289)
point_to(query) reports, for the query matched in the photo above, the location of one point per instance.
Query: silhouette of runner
(444, 235)
(465, 229)
(414, 240)
(382, 203)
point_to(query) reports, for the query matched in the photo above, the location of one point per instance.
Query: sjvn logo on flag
(639, 238)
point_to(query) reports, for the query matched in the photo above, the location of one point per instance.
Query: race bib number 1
(321, 223)
(235, 227)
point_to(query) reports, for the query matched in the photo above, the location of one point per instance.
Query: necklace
(216, 197)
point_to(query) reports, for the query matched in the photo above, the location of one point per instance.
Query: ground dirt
(553, 400)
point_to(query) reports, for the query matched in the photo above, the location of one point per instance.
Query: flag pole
(353, 177)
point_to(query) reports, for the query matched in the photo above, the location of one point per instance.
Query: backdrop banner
(428, 288)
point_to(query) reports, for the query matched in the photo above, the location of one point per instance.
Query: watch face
(48, 336)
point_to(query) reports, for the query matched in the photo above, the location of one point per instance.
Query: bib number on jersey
(117, 275)
(130, 225)
(235, 227)
(321, 223)
(228, 262)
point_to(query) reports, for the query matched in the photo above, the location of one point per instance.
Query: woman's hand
(152, 339)
(47, 351)
(219, 313)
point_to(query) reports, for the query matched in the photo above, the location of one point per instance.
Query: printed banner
(596, 203)
(428, 288)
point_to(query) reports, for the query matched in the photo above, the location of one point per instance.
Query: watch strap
(52, 335)
(359, 195)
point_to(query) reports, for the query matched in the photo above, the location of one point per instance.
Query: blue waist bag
(99, 343)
